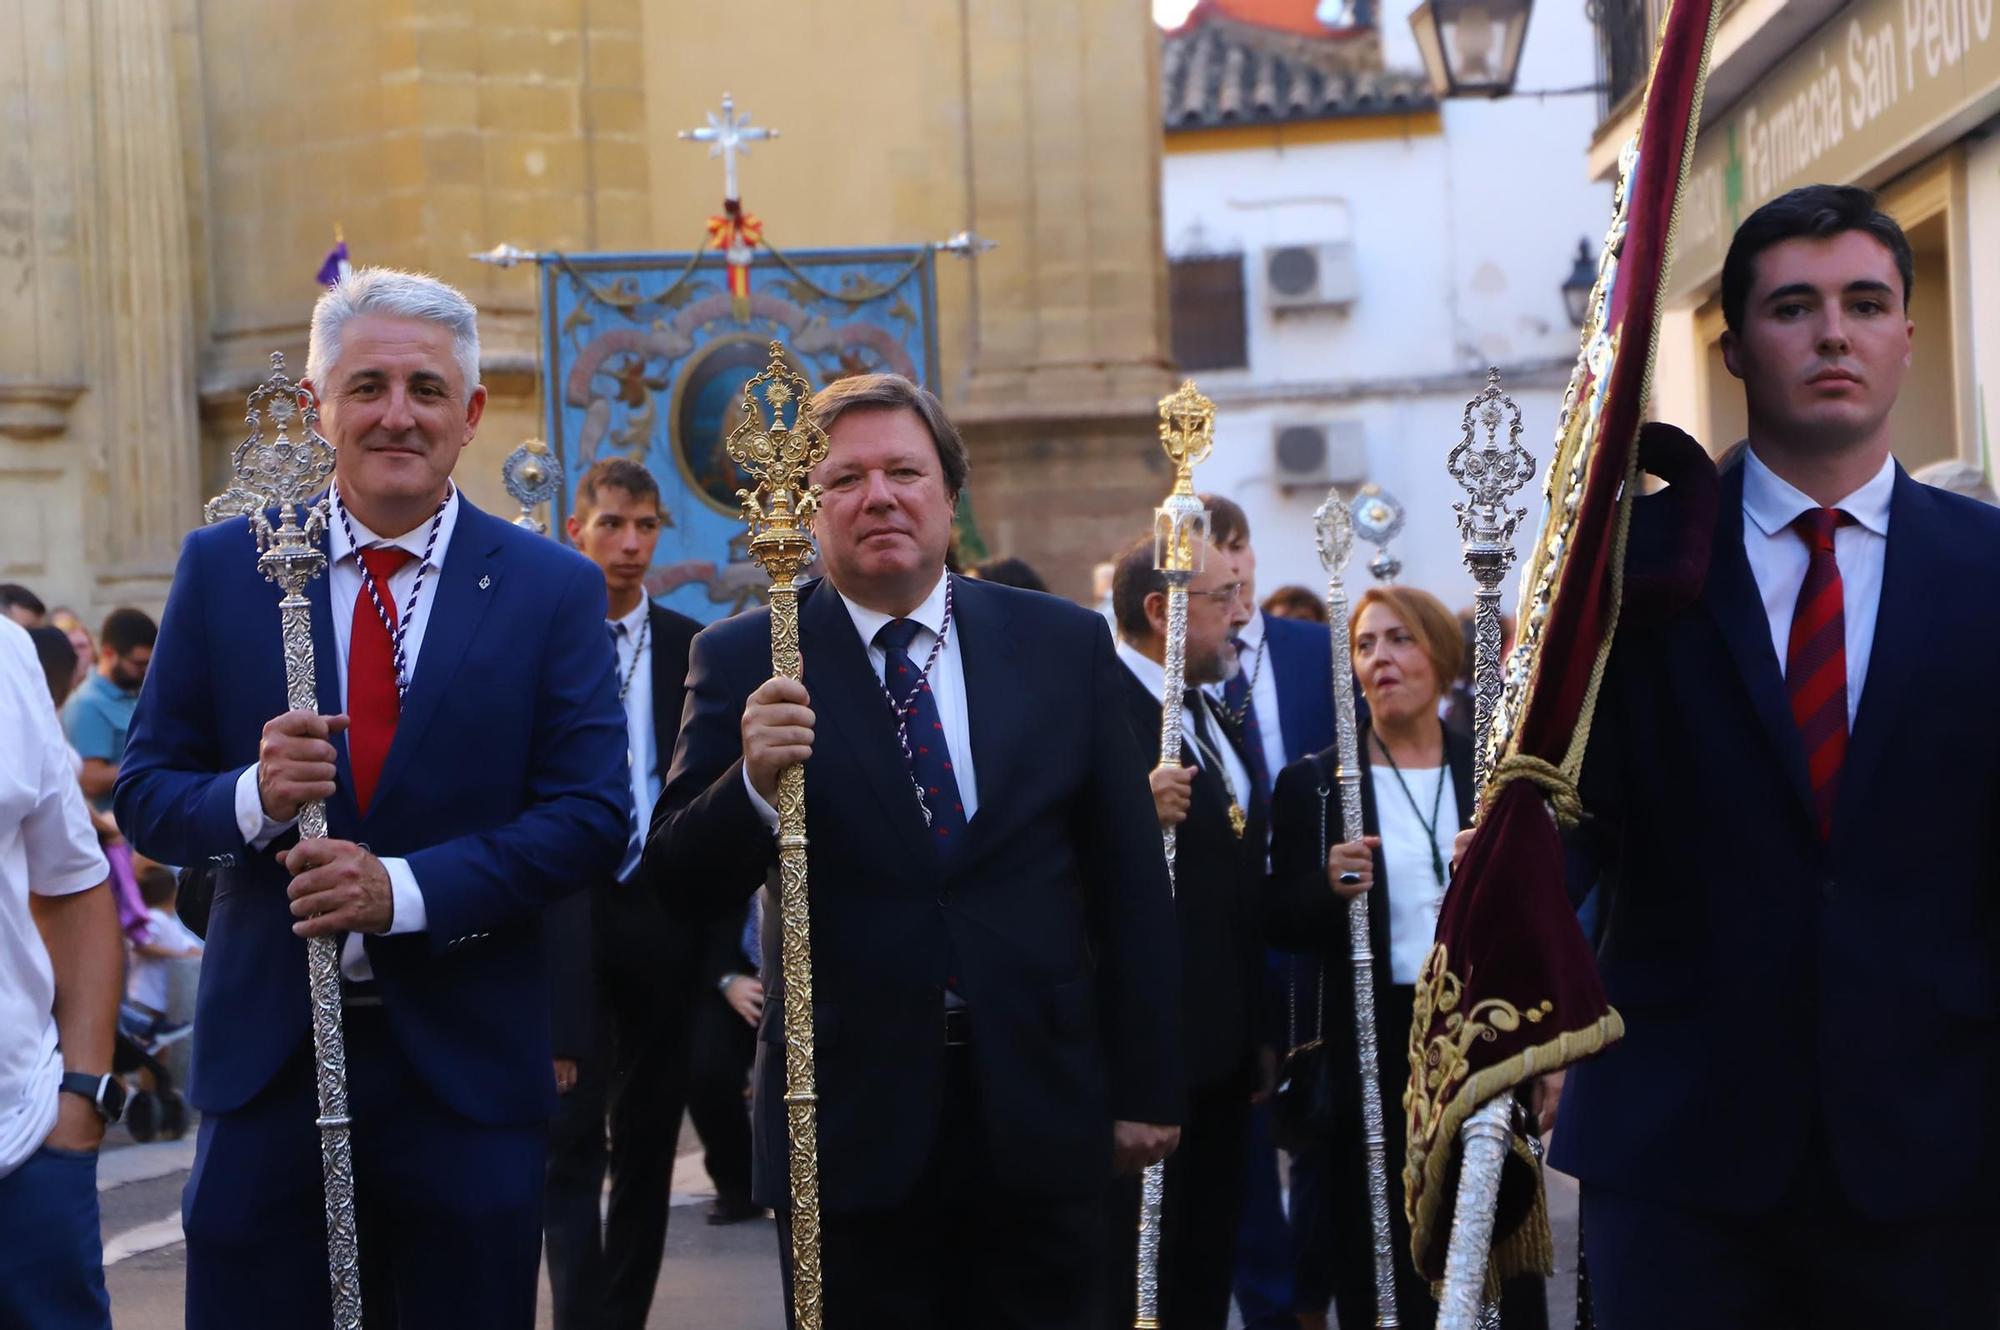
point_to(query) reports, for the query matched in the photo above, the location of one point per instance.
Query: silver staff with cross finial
(1180, 541)
(728, 136)
(1333, 527)
(1491, 473)
(280, 490)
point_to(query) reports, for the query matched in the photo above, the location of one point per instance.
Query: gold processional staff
(1180, 539)
(778, 507)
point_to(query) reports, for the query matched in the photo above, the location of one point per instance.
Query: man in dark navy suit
(1792, 787)
(470, 748)
(1280, 703)
(995, 978)
(1218, 810)
(622, 974)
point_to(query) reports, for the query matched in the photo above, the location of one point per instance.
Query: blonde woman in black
(1416, 795)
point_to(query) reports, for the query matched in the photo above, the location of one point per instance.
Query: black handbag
(1305, 1109)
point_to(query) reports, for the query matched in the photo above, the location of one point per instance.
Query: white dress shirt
(1415, 894)
(1235, 776)
(947, 682)
(1779, 557)
(343, 584)
(635, 677)
(1255, 659)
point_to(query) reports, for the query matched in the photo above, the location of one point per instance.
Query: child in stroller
(155, 1106)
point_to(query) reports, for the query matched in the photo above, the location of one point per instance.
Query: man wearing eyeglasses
(1217, 808)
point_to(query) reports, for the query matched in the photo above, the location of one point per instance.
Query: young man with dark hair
(1791, 813)
(623, 974)
(98, 715)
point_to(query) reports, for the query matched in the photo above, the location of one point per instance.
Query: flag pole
(1490, 474)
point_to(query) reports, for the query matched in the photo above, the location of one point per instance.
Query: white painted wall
(1461, 241)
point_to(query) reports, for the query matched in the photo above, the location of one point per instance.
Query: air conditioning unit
(1319, 453)
(1311, 276)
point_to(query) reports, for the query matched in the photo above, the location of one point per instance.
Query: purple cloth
(330, 271)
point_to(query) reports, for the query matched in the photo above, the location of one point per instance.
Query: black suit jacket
(1773, 985)
(1053, 915)
(1305, 915)
(613, 924)
(1218, 883)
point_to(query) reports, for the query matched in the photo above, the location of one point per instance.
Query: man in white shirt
(1792, 796)
(61, 958)
(470, 750)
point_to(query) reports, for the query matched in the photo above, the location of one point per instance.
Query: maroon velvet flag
(1510, 990)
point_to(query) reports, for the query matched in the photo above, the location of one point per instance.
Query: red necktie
(372, 700)
(1816, 661)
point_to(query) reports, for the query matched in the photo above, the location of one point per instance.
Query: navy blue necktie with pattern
(1242, 708)
(930, 758)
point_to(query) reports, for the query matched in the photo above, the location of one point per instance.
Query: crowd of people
(551, 870)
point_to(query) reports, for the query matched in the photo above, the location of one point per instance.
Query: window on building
(1207, 312)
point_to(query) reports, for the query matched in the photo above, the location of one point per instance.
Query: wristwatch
(105, 1093)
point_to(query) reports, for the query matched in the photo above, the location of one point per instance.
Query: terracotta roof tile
(1220, 72)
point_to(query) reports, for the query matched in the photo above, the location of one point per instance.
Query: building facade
(175, 169)
(1347, 259)
(1901, 96)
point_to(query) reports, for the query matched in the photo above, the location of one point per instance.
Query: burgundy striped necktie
(1816, 661)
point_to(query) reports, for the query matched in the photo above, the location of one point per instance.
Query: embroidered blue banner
(645, 356)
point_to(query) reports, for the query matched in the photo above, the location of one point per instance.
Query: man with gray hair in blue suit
(470, 747)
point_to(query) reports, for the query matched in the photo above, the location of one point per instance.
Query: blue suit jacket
(504, 789)
(1773, 986)
(1301, 664)
(1054, 916)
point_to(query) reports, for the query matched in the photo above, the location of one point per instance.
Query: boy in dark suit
(1792, 814)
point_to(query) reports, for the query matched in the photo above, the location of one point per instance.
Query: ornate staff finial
(1490, 473)
(532, 476)
(1333, 532)
(779, 457)
(1378, 519)
(279, 472)
(1180, 523)
(1187, 432)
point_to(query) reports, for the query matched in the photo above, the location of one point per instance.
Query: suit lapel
(666, 719)
(848, 698)
(468, 583)
(1912, 573)
(1738, 609)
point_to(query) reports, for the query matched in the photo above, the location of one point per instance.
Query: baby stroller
(153, 1107)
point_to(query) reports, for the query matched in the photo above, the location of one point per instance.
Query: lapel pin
(485, 582)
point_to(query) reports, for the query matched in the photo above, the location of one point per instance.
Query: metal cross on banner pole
(1333, 525)
(287, 477)
(778, 507)
(1180, 539)
(1491, 474)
